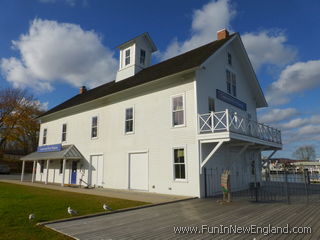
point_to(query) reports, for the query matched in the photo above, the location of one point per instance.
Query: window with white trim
(253, 167)
(129, 121)
(127, 57)
(142, 56)
(228, 76)
(211, 105)
(178, 111)
(179, 164)
(64, 132)
(234, 84)
(229, 58)
(231, 83)
(44, 136)
(94, 127)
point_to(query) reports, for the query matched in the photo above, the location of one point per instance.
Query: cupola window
(127, 57)
(142, 56)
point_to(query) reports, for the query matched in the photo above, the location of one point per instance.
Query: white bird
(31, 216)
(72, 211)
(106, 207)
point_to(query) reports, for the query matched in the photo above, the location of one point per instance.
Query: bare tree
(307, 153)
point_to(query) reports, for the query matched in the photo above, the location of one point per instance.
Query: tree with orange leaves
(18, 124)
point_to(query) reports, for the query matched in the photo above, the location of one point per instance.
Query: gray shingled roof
(67, 152)
(171, 66)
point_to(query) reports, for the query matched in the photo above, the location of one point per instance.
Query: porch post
(200, 156)
(22, 171)
(33, 170)
(47, 173)
(268, 165)
(227, 119)
(63, 171)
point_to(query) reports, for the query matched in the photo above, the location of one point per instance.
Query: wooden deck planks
(157, 222)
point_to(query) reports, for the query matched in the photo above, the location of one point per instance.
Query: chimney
(83, 89)
(222, 34)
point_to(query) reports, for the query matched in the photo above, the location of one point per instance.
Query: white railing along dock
(217, 122)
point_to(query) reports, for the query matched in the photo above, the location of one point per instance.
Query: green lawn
(18, 201)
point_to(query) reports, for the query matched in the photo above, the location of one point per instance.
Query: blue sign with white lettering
(231, 100)
(50, 148)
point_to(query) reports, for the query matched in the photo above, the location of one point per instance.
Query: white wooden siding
(153, 131)
(213, 77)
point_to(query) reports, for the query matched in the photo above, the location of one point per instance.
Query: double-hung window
(127, 57)
(64, 132)
(253, 167)
(178, 111)
(231, 83)
(234, 84)
(211, 105)
(228, 76)
(179, 164)
(44, 136)
(129, 120)
(94, 127)
(142, 56)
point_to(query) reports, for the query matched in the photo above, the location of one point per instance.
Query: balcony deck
(228, 124)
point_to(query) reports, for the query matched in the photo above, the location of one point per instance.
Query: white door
(96, 171)
(138, 171)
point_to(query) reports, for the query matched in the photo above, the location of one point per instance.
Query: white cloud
(298, 77)
(277, 115)
(53, 51)
(268, 47)
(298, 122)
(264, 47)
(213, 16)
(42, 105)
(309, 130)
(309, 134)
(295, 78)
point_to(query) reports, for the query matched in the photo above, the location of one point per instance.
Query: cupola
(135, 55)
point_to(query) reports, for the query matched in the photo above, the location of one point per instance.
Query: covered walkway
(53, 153)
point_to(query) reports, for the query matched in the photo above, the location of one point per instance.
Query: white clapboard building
(170, 128)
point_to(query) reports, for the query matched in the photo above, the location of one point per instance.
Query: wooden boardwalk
(159, 222)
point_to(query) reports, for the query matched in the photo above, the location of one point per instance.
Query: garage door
(138, 171)
(96, 170)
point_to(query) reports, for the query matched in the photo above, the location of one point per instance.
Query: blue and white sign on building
(231, 100)
(50, 148)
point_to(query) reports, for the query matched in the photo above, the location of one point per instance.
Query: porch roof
(67, 152)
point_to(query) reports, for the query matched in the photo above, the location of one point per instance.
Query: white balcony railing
(217, 122)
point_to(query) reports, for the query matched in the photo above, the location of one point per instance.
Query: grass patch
(18, 201)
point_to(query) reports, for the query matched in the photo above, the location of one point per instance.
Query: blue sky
(44, 47)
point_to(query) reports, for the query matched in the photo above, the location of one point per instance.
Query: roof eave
(81, 104)
(220, 49)
(261, 100)
(145, 35)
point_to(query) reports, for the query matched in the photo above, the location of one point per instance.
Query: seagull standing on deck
(72, 211)
(106, 207)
